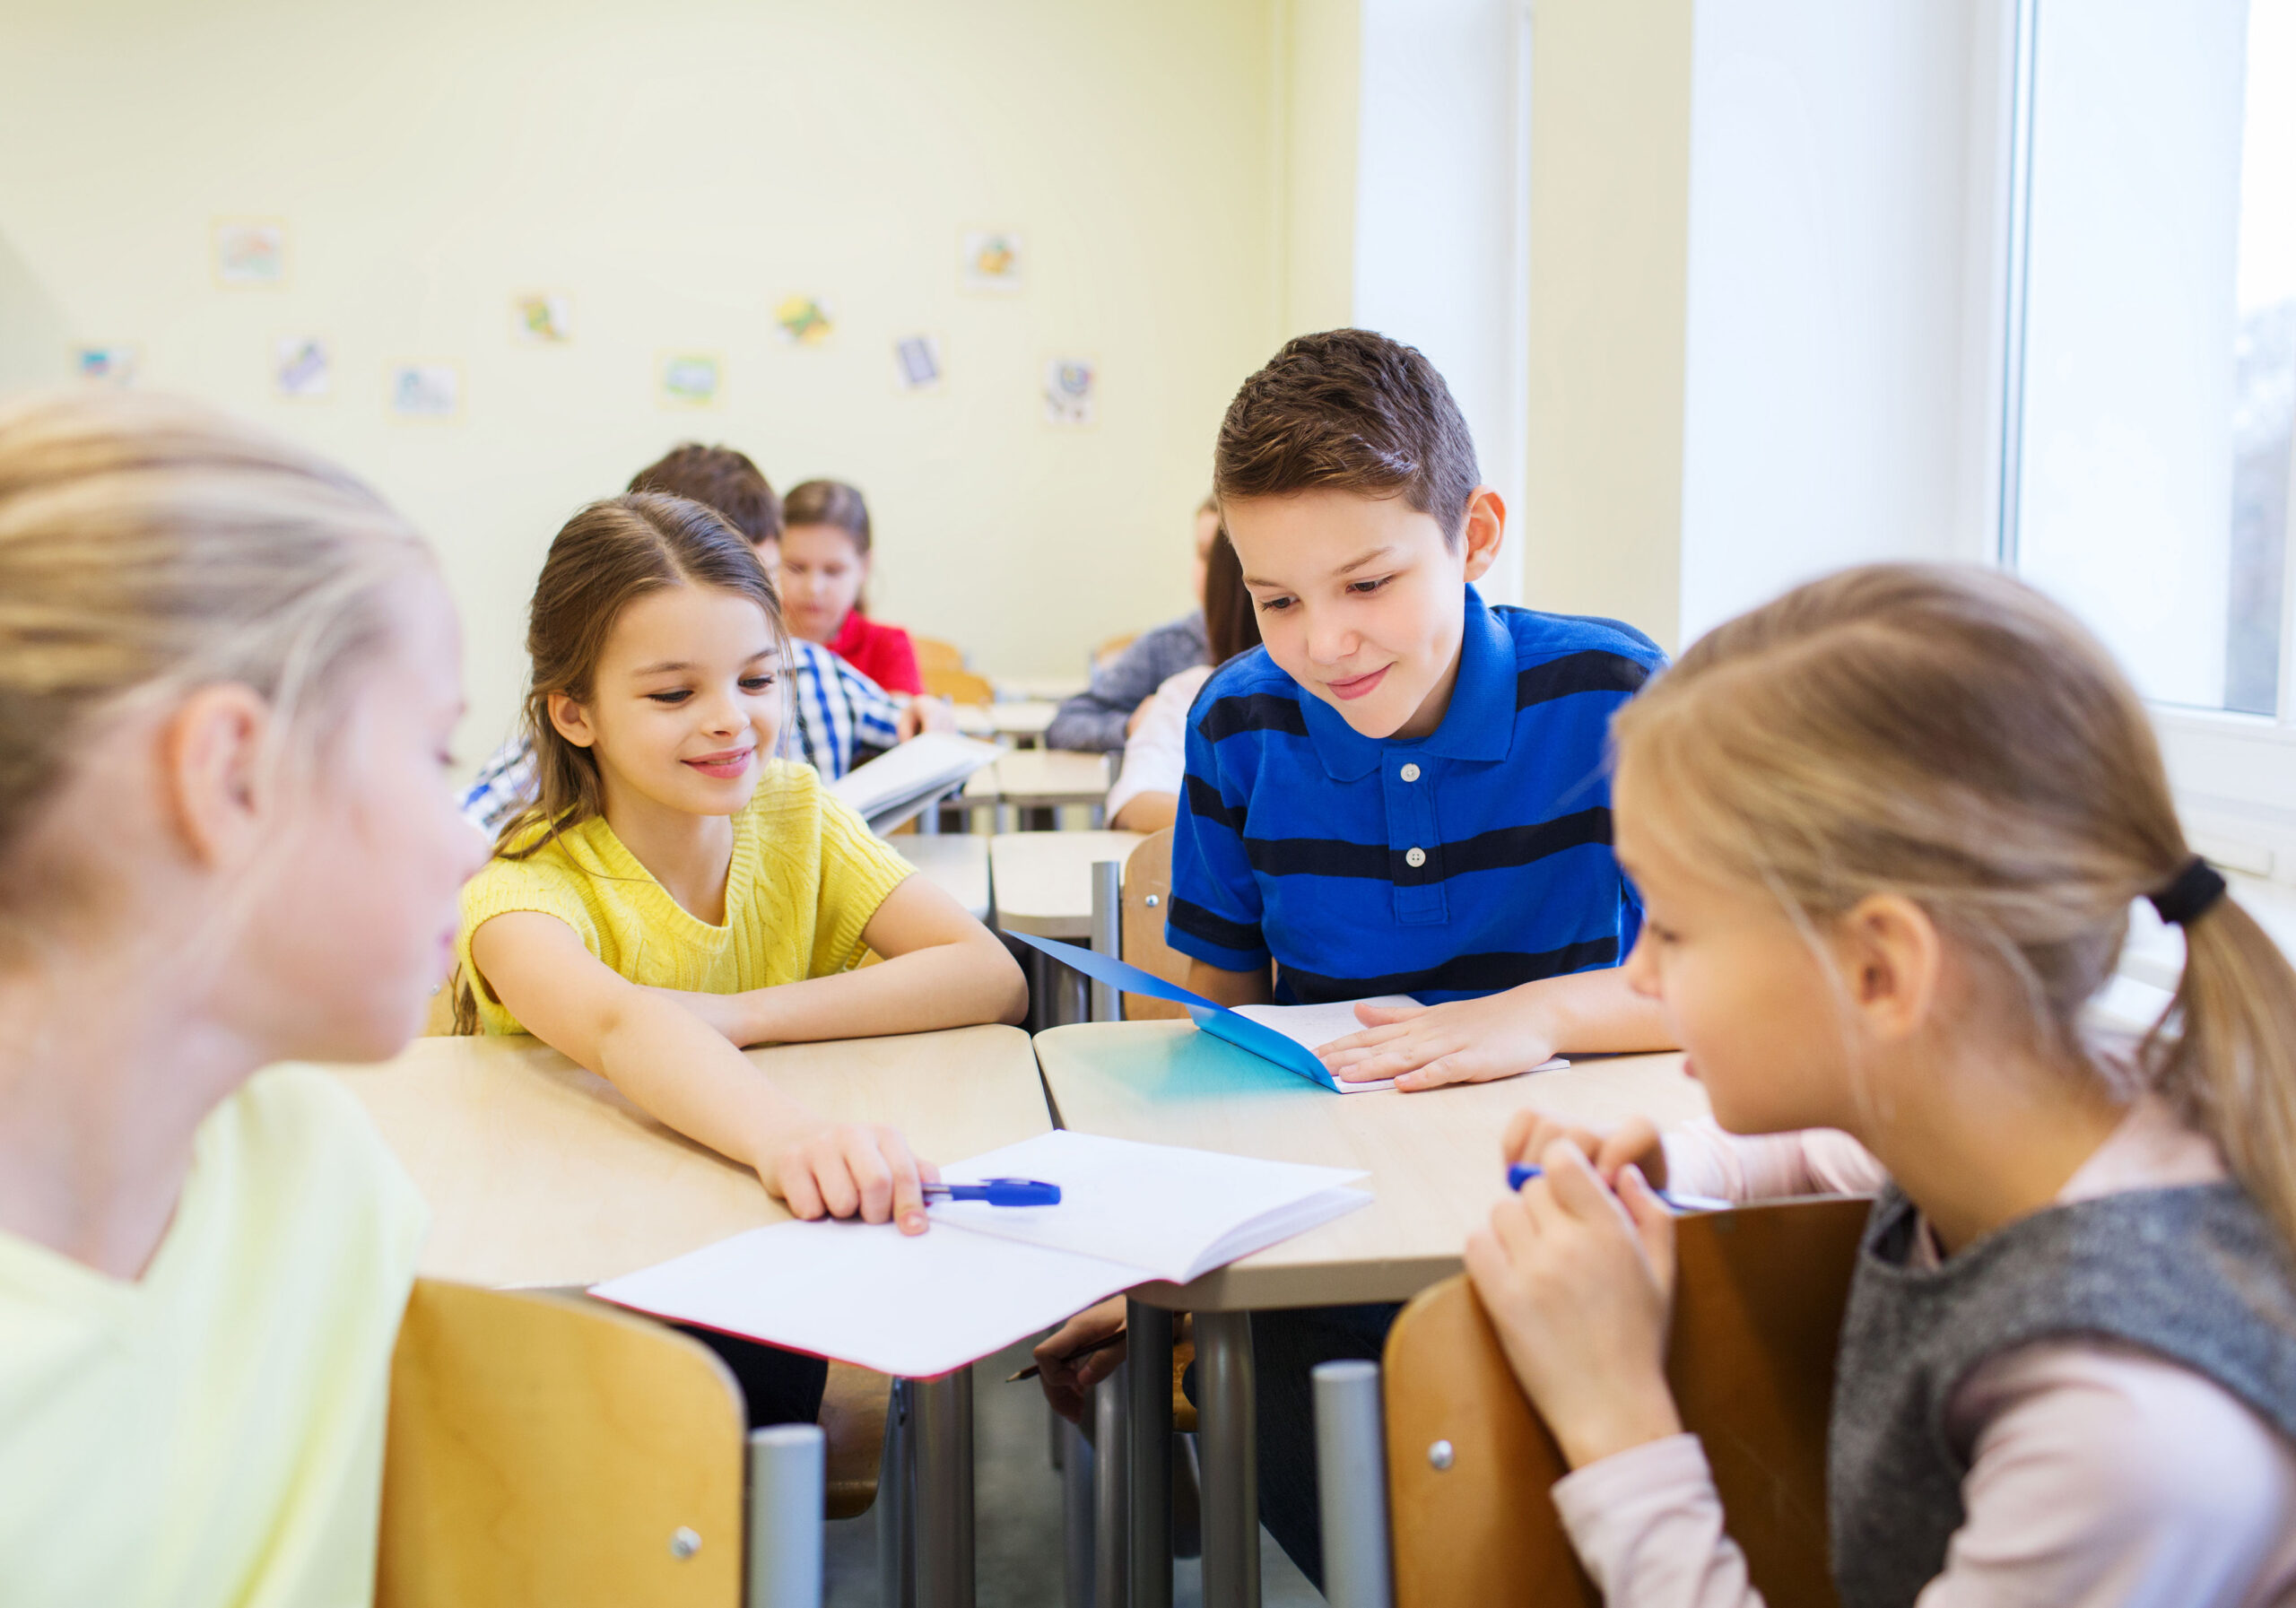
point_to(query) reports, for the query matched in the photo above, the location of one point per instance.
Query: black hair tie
(2187, 898)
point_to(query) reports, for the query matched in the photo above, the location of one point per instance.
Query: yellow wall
(677, 166)
(1610, 242)
(1315, 58)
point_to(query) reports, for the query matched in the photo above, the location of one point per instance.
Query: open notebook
(984, 1276)
(1287, 1035)
(902, 780)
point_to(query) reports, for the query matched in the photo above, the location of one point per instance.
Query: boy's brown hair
(718, 477)
(1353, 410)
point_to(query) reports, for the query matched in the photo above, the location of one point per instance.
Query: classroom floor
(1016, 1499)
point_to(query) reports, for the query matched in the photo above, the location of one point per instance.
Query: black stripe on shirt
(1591, 670)
(1197, 922)
(1489, 973)
(1252, 712)
(1204, 803)
(1501, 850)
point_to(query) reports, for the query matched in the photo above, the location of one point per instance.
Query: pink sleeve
(1703, 1159)
(2100, 1475)
(1648, 1525)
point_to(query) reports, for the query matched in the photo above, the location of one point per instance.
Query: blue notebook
(1287, 1035)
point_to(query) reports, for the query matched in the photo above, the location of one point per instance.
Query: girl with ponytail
(1888, 830)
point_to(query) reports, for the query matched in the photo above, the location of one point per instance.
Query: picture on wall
(692, 380)
(989, 260)
(302, 369)
(804, 320)
(1072, 391)
(112, 365)
(251, 251)
(917, 362)
(542, 318)
(426, 391)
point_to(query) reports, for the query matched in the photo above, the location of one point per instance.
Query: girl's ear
(571, 720)
(1891, 955)
(215, 772)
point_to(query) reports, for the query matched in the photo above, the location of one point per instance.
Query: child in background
(228, 677)
(1147, 796)
(1108, 715)
(1887, 831)
(838, 716)
(824, 566)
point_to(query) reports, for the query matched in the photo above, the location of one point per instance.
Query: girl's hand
(1461, 1042)
(1068, 1378)
(1633, 1142)
(1577, 1282)
(844, 1169)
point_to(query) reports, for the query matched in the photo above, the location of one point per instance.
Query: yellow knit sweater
(806, 876)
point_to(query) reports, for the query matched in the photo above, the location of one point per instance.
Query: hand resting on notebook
(1498, 1036)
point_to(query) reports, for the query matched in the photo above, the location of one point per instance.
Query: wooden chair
(932, 655)
(545, 1449)
(853, 1420)
(1757, 1312)
(957, 684)
(1106, 653)
(1147, 891)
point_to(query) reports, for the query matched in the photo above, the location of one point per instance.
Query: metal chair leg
(788, 1485)
(1352, 1485)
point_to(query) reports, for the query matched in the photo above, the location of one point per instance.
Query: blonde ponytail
(2225, 1053)
(1950, 736)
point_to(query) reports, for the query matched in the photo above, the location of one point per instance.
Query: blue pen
(1523, 1172)
(1000, 1192)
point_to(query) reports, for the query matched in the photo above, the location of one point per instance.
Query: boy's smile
(1361, 600)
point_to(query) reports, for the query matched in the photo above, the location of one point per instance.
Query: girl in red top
(824, 564)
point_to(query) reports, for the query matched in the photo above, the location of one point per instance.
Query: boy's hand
(853, 1169)
(1068, 1386)
(1633, 1142)
(1578, 1282)
(1425, 1046)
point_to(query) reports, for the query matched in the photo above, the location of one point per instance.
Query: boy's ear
(1483, 530)
(571, 721)
(1891, 954)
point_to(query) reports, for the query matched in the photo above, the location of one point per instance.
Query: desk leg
(1226, 1435)
(942, 1424)
(1076, 1457)
(1148, 1357)
(1111, 1467)
(896, 1507)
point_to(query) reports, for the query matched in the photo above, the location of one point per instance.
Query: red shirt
(882, 653)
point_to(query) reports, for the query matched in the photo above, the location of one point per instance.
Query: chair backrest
(1757, 1312)
(957, 684)
(546, 1449)
(1147, 890)
(1106, 653)
(933, 655)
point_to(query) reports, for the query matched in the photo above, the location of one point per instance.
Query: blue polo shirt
(1470, 861)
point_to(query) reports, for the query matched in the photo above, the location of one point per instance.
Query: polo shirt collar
(1480, 724)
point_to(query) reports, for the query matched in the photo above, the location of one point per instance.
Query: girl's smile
(725, 765)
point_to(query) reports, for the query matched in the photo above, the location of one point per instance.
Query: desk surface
(958, 862)
(538, 1172)
(1044, 880)
(1433, 1157)
(1045, 776)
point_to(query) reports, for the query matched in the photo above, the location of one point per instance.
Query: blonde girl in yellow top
(228, 675)
(674, 891)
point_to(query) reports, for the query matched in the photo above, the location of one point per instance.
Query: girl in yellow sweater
(675, 892)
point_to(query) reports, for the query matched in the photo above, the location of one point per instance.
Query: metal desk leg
(1228, 1437)
(1075, 1515)
(1148, 1357)
(1110, 1466)
(896, 1507)
(942, 1425)
(1351, 1483)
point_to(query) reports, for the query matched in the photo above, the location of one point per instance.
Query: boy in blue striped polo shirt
(1403, 791)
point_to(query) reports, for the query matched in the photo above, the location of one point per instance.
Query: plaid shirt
(834, 709)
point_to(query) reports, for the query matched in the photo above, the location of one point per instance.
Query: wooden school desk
(1044, 887)
(539, 1173)
(1022, 720)
(1435, 1172)
(956, 861)
(1040, 779)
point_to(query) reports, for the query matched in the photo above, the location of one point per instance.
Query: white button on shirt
(1409, 773)
(1414, 858)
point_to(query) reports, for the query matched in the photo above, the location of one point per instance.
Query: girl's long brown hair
(1950, 735)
